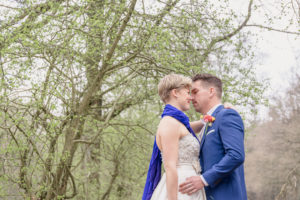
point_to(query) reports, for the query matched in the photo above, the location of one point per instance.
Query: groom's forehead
(196, 84)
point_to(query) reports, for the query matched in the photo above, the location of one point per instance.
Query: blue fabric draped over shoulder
(154, 171)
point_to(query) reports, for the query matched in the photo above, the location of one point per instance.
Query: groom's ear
(212, 91)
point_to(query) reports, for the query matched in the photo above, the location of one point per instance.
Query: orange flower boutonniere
(208, 119)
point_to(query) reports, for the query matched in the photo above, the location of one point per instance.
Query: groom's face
(200, 96)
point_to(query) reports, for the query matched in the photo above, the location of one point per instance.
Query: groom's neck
(212, 104)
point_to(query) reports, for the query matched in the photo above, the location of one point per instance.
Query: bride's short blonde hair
(170, 82)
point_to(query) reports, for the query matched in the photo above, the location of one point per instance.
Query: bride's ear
(174, 93)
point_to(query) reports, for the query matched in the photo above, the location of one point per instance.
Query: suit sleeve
(231, 130)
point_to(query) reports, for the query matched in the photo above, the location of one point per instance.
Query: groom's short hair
(210, 80)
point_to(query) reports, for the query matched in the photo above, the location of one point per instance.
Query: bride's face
(183, 98)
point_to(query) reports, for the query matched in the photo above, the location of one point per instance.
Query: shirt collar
(211, 111)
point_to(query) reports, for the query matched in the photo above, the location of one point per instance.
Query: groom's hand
(191, 185)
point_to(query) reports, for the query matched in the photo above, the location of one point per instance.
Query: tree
(78, 87)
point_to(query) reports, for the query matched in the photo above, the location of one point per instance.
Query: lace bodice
(188, 152)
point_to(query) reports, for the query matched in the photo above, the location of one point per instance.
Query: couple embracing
(208, 166)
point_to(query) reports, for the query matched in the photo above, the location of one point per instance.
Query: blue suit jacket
(222, 156)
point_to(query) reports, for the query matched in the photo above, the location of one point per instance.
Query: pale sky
(279, 56)
(277, 52)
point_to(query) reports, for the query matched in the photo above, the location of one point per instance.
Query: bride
(175, 142)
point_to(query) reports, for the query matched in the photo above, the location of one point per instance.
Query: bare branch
(228, 36)
(272, 29)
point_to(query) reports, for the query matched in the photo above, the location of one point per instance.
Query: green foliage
(79, 104)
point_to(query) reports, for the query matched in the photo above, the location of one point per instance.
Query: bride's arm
(169, 137)
(197, 126)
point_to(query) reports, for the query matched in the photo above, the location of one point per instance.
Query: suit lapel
(207, 128)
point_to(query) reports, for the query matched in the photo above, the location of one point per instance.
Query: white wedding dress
(188, 165)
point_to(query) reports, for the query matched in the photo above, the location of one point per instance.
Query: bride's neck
(174, 104)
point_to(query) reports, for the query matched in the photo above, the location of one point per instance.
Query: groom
(222, 145)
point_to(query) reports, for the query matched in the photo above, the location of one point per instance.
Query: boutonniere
(208, 119)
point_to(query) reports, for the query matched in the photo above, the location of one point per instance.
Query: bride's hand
(229, 106)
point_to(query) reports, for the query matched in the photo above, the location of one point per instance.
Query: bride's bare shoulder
(167, 120)
(168, 124)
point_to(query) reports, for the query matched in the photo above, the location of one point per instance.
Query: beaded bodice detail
(188, 151)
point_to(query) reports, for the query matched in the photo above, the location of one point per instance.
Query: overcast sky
(279, 56)
(277, 52)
